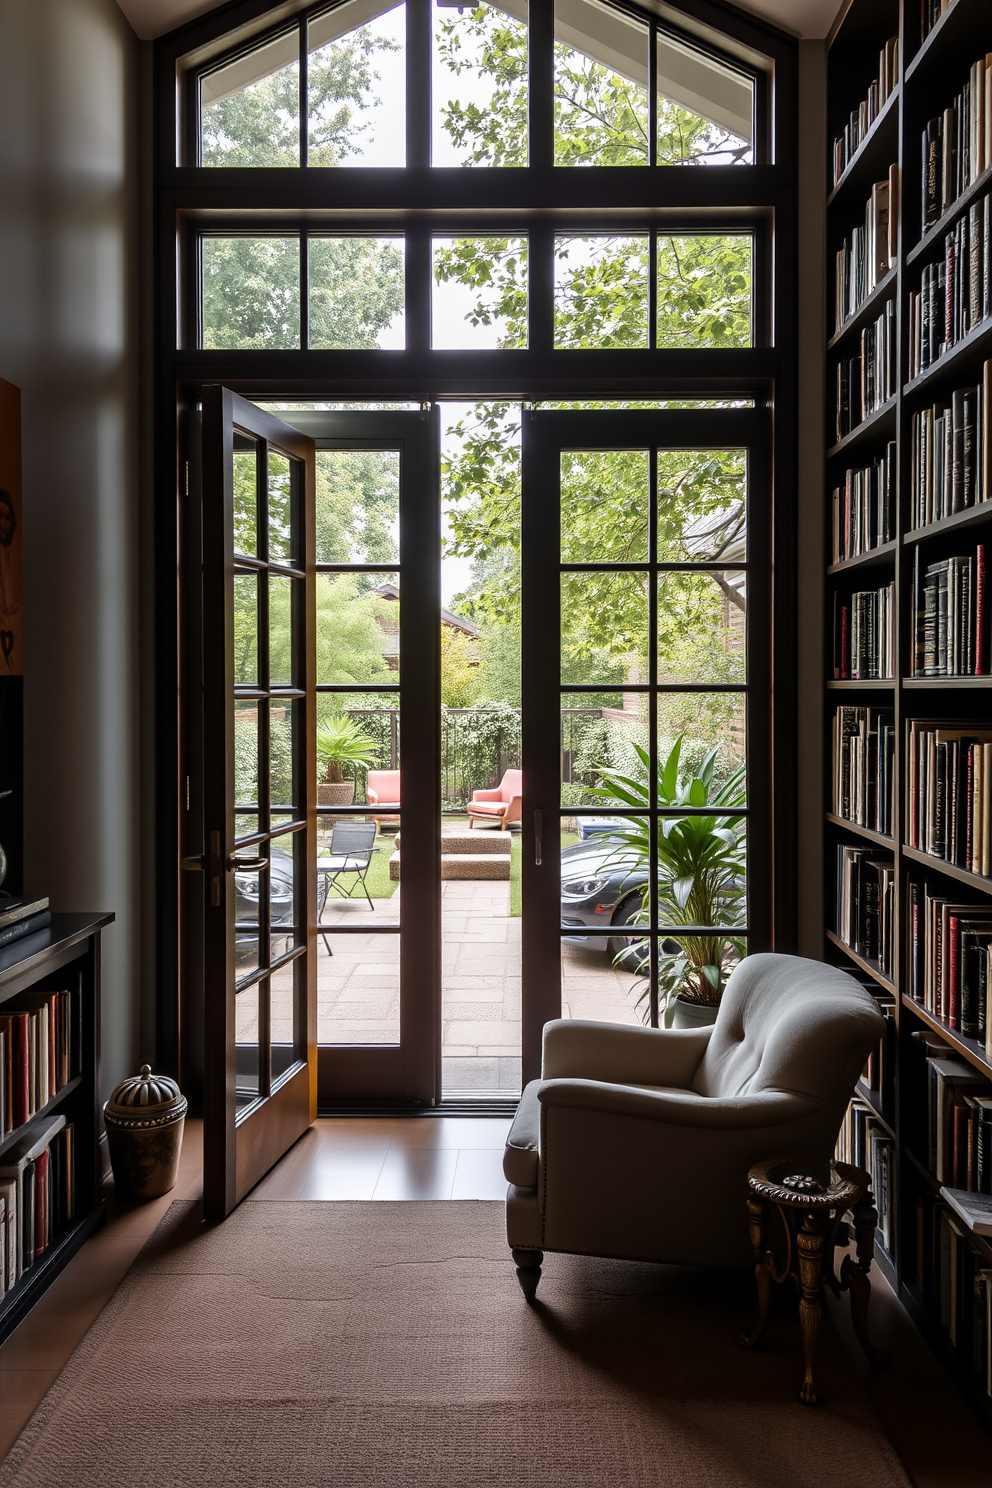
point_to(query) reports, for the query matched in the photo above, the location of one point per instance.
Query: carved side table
(811, 1201)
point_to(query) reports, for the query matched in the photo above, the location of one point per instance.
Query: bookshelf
(933, 1260)
(64, 958)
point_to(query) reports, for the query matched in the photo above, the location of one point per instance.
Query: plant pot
(682, 1014)
(341, 793)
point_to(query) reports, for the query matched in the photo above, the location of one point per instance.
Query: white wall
(68, 220)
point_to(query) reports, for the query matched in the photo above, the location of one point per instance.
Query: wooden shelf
(934, 236)
(881, 415)
(947, 684)
(864, 1093)
(870, 968)
(972, 516)
(950, 870)
(46, 1110)
(874, 557)
(878, 838)
(864, 312)
(862, 166)
(977, 344)
(852, 684)
(940, 49)
(968, 1048)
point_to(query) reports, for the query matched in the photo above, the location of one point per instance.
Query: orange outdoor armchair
(383, 793)
(503, 805)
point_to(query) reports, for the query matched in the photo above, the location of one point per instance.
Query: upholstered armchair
(383, 792)
(504, 804)
(636, 1142)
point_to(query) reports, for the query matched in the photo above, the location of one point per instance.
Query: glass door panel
(646, 802)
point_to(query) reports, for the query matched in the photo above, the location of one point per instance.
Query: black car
(601, 884)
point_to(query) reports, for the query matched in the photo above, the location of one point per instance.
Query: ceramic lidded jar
(144, 1118)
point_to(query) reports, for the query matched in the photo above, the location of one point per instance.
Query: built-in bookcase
(907, 631)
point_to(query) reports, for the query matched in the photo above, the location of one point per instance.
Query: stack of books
(863, 751)
(951, 454)
(864, 1142)
(867, 380)
(864, 641)
(37, 1195)
(955, 294)
(948, 972)
(40, 1052)
(957, 144)
(863, 117)
(864, 259)
(959, 1123)
(955, 1281)
(950, 604)
(863, 508)
(20, 917)
(949, 794)
(865, 898)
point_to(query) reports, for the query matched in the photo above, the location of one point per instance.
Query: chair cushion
(520, 1160)
(487, 808)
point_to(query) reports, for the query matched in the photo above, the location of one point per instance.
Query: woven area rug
(386, 1345)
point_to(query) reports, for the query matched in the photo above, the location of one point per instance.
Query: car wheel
(629, 951)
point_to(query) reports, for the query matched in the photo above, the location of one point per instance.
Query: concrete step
(463, 865)
(474, 843)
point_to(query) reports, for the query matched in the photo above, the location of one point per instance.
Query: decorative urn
(144, 1118)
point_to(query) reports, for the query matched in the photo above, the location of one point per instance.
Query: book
(12, 910)
(974, 1208)
(28, 926)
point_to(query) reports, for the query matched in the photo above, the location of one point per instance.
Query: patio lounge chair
(504, 804)
(383, 795)
(343, 873)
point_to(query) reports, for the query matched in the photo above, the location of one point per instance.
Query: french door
(653, 527)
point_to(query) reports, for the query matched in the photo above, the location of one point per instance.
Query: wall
(68, 337)
(809, 517)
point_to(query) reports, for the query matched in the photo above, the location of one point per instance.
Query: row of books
(40, 1052)
(864, 639)
(863, 117)
(954, 295)
(864, 1143)
(879, 1074)
(863, 508)
(955, 1279)
(949, 794)
(951, 616)
(959, 1120)
(37, 1195)
(951, 454)
(864, 898)
(949, 959)
(863, 756)
(864, 258)
(868, 379)
(957, 144)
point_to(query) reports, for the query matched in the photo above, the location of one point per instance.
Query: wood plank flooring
(937, 1438)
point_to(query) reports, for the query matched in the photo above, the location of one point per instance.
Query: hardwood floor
(454, 1158)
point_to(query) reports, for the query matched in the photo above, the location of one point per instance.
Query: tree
(461, 674)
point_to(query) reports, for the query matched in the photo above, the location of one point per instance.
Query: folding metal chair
(352, 843)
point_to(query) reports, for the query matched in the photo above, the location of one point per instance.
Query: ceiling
(151, 18)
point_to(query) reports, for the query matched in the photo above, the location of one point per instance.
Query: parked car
(601, 884)
(246, 903)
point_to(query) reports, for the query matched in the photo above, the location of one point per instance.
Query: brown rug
(386, 1345)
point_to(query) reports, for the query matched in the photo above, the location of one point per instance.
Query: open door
(257, 787)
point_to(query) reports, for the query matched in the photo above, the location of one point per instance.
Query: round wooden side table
(811, 1201)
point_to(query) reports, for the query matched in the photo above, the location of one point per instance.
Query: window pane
(601, 291)
(358, 985)
(604, 627)
(284, 790)
(600, 85)
(281, 543)
(250, 293)
(358, 635)
(480, 87)
(605, 498)
(704, 291)
(287, 994)
(247, 1053)
(701, 626)
(287, 892)
(250, 109)
(705, 721)
(480, 293)
(283, 622)
(705, 109)
(245, 629)
(370, 723)
(357, 87)
(358, 506)
(356, 293)
(246, 763)
(702, 506)
(245, 494)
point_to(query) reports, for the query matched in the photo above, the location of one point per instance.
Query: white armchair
(636, 1142)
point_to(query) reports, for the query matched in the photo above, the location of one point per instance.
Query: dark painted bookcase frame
(54, 957)
(931, 72)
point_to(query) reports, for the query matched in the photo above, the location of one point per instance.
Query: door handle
(246, 865)
(195, 863)
(538, 835)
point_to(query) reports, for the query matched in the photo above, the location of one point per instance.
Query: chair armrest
(371, 796)
(514, 808)
(486, 795)
(679, 1107)
(578, 1048)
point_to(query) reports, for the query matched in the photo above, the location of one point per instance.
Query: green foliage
(461, 674)
(476, 748)
(356, 289)
(602, 299)
(251, 293)
(342, 741)
(494, 46)
(495, 269)
(357, 506)
(701, 866)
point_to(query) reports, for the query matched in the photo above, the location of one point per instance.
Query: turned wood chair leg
(810, 1247)
(528, 1264)
(758, 1215)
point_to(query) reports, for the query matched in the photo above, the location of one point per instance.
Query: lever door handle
(246, 865)
(195, 863)
(538, 835)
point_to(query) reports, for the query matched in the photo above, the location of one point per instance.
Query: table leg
(810, 1246)
(758, 1216)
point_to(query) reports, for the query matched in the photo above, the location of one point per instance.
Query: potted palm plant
(340, 741)
(700, 879)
